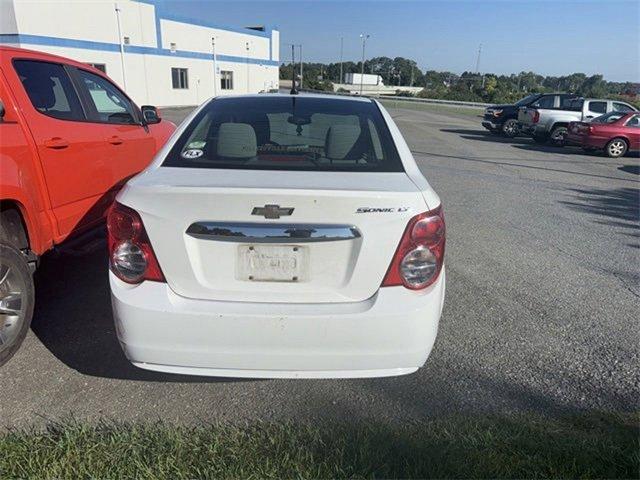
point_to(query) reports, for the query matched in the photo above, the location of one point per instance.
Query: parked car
(550, 123)
(504, 118)
(69, 139)
(615, 133)
(279, 236)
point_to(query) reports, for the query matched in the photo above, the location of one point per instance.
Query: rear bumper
(391, 333)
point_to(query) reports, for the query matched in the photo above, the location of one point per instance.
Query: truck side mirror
(150, 114)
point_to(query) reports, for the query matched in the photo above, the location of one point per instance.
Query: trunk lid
(209, 231)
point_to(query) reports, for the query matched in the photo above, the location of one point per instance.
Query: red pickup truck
(69, 139)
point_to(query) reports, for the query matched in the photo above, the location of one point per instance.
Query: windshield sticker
(197, 144)
(192, 153)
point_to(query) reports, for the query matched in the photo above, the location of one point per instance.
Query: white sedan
(279, 236)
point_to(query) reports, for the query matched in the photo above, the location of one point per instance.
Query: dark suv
(504, 118)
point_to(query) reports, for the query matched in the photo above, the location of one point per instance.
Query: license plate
(272, 263)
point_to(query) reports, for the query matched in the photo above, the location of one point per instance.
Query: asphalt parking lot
(541, 313)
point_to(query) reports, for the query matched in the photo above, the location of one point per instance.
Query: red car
(69, 139)
(615, 132)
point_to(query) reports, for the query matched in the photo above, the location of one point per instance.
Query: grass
(467, 112)
(587, 446)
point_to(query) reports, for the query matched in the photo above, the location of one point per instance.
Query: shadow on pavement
(617, 207)
(539, 147)
(73, 318)
(635, 169)
(484, 136)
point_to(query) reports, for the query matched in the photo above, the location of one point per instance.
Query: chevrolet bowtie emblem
(272, 211)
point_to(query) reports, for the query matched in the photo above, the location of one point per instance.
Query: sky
(544, 36)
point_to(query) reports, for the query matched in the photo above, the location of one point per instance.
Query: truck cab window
(622, 107)
(545, 102)
(598, 107)
(110, 105)
(49, 89)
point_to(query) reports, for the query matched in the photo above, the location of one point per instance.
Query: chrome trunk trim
(271, 233)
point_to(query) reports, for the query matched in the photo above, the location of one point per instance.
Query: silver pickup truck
(550, 122)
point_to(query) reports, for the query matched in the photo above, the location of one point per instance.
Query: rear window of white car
(287, 133)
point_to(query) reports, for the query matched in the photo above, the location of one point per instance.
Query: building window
(179, 78)
(172, 46)
(127, 40)
(100, 66)
(226, 80)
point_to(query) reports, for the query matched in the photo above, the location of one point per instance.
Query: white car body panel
(333, 321)
(391, 333)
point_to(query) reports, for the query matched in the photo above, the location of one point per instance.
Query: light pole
(294, 91)
(364, 41)
(341, 50)
(478, 59)
(248, 84)
(215, 66)
(124, 75)
(293, 46)
(301, 68)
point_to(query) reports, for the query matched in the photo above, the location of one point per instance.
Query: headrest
(340, 140)
(40, 91)
(237, 140)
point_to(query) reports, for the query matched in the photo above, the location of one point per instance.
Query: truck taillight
(536, 116)
(419, 257)
(131, 257)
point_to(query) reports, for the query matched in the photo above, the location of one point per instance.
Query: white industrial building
(157, 56)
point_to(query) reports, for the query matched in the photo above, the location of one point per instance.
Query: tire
(539, 139)
(557, 136)
(17, 298)
(510, 128)
(616, 147)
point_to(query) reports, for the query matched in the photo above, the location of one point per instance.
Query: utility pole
(364, 41)
(478, 60)
(124, 75)
(215, 67)
(340, 80)
(411, 75)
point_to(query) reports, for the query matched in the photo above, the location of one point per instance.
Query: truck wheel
(510, 128)
(557, 136)
(616, 147)
(17, 297)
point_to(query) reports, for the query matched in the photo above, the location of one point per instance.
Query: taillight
(131, 256)
(591, 129)
(420, 255)
(536, 116)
